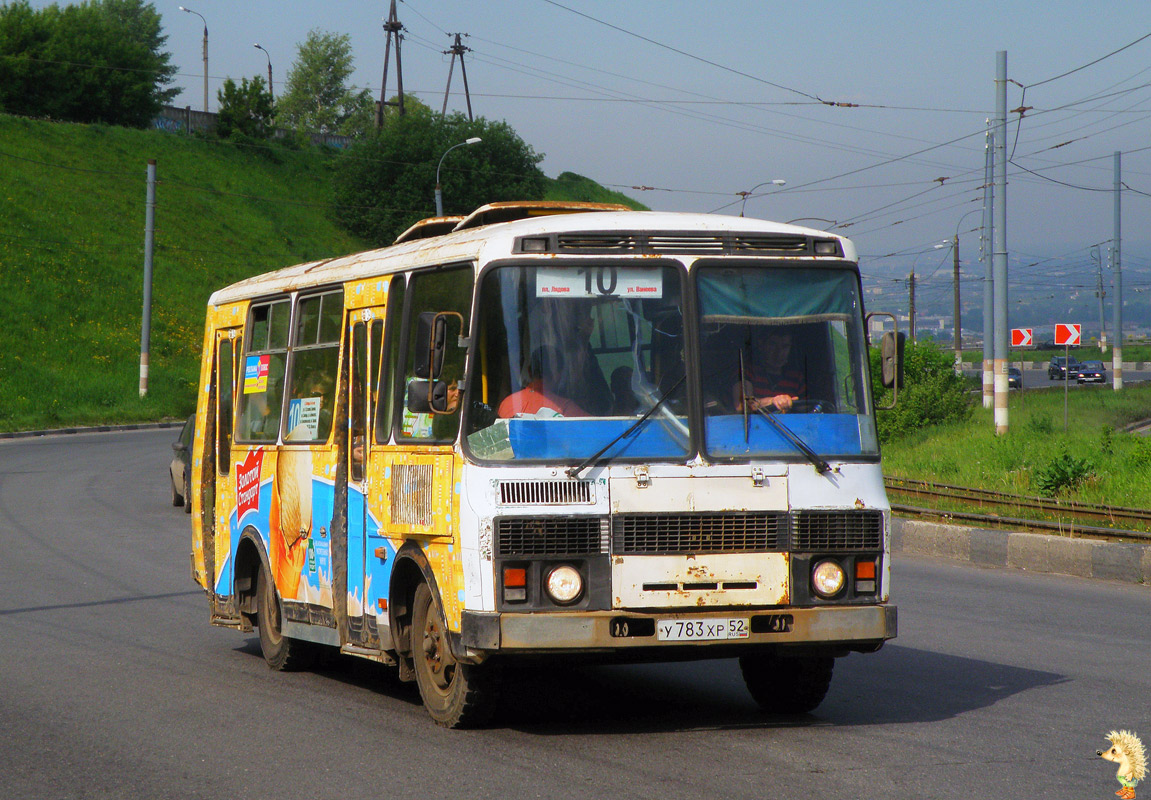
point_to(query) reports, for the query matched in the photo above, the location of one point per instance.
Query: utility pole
(149, 235)
(911, 303)
(394, 29)
(955, 309)
(1100, 293)
(999, 250)
(457, 49)
(1117, 296)
(988, 282)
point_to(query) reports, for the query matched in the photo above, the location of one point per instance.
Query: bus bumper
(841, 627)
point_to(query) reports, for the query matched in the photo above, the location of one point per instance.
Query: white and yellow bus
(542, 430)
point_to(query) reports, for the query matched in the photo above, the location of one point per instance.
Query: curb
(140, 426)
(1035, 552)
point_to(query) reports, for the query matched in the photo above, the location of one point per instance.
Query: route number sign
(1021, 337)
(1068, 334)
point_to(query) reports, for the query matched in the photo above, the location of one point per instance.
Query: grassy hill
(72, 211)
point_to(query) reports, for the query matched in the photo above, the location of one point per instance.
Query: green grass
(72, 255)
(570, 186)
(72, 211)
(971, 454)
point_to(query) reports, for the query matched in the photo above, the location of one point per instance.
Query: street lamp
(751, 191)
(269, 55)
(201, 16)
(439, 194)
(956, 309)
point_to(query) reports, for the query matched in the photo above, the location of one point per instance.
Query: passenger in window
(769, 383)
(540, 397)
(585, 383)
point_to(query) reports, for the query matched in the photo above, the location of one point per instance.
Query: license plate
(695, 630)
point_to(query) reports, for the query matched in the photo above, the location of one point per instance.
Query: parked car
(1014, 378)
(180, 470)
(1091, 372)
(1059, 367)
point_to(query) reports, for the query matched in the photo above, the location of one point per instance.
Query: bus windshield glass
(569, 357)
(786, 342)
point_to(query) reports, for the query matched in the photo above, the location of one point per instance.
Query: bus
(536, 432)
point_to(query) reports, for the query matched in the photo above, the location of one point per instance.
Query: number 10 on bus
(600, 282)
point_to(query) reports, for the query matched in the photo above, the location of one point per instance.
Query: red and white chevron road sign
(1067, 333)
(1021, 337)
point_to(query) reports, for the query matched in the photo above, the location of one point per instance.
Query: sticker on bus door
(256, 374)
(599, 282)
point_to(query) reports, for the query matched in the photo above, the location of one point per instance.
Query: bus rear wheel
(282, 653)
(787, 684)
(456, 695)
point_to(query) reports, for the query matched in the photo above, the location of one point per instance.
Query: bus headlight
(828, 579)
(564, 584)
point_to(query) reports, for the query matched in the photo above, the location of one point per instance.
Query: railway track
(1062, 516)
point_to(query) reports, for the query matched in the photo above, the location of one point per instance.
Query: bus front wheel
(787, 685)
(456, 695)
(281, 652)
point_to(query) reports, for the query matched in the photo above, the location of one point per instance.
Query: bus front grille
(837, 530)
(681, 534)
(540, 536)
(545, 493)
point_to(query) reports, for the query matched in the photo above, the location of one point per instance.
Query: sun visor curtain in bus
(776, 293)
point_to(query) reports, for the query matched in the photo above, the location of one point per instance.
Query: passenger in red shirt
(770, 384)
(544, 368)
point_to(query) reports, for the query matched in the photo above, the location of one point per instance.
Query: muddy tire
(787, 685)
(281, 652)
(456, 695)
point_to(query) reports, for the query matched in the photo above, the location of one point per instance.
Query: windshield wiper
(573, 472)
(820, 465)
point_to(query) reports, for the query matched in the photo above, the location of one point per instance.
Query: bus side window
(314, 367)
(387, 387)
(366, 341)
(265, 358)
(225, 393)
(358, 407)
(436, 291)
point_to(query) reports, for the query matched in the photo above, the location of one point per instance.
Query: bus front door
(367, 552)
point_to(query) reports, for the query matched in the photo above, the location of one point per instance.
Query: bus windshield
(570, 356)
(786, 342)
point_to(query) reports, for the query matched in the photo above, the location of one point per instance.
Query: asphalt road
(1001, 683)
(1037, 379)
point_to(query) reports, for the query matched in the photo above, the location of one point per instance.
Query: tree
(317, 97)
(385, 182)
(99, 61)
(247, 110)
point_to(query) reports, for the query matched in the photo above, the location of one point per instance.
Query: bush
(932, 393)
(1065, 473)
(246, 111)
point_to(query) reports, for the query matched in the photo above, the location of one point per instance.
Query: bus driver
(769, 382)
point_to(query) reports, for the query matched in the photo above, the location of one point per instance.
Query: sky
(872, 112)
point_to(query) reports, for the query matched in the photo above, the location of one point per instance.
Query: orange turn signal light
(516, 577)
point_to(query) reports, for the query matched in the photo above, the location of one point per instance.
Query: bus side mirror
(891, 359)
(431, 338)
(428, 397)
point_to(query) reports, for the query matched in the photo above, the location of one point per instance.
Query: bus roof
(610, 232)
